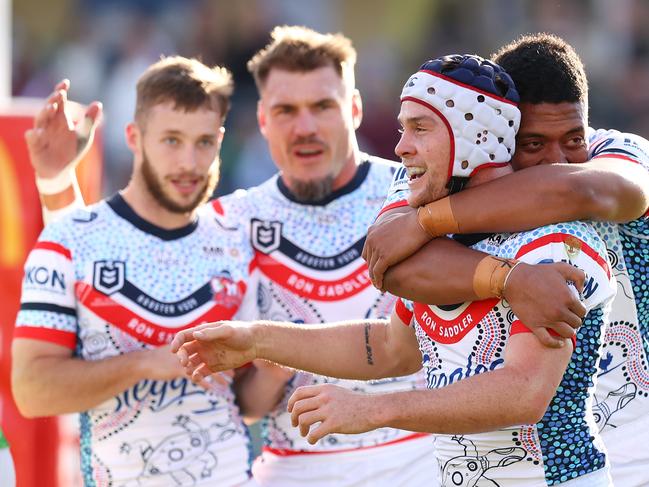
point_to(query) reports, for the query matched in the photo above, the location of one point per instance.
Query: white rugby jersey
(105, 282)
(459, 341)
(309, 269)
(622, 395)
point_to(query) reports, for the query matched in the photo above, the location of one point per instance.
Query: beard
(312, 191)
(153, 183)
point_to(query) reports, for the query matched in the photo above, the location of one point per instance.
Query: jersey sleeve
(232, 211)
(404, 310)
(575, 243)
(619, 145)
(48, 302)
(398, 192)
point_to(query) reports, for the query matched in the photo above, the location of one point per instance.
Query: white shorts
(599, 478)
(7, 473)
(628, 453)
(405, 464)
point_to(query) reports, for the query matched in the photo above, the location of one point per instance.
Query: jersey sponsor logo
(322, 263)
(450, 326)
(108, 276)
(310, 288)
(443, 378)
(158, 395)
(159, 330)
(266, 235)
(39, 275)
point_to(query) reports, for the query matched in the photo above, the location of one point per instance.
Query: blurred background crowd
(103, 45)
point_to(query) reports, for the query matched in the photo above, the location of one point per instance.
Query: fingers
(94, 112)
(546, 339)
(379, 271)
(574, 274)
(200, 373)
(213, 333)
(301, 393)
(303, 406)
(578, 308)
(366, 253)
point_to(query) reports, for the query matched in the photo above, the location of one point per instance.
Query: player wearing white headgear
(492, 395)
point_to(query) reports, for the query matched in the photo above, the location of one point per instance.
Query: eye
(171, 140)
(577, 141)
(207, 142)
(400, 130)
(530, 145)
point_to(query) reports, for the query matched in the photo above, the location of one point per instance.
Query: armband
(491, 275)
(437, 218)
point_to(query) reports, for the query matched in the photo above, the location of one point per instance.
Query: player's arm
(517, 393)
(259, 387)
(350, 350)
(48, 380)
(603, 189)
(55, 146)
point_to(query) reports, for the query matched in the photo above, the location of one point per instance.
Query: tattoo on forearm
(368, 348)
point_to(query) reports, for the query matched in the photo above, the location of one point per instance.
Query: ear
(219, 138)
(261, 118)
(357, 108)
(133, 137)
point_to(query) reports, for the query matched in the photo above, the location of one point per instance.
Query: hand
(55, 143)
(542, 299)
(160, 364)
(213, 347)
(338, 410)
(395, 236)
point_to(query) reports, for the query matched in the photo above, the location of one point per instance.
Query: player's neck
(348, 171)
(146, 206)
(488, 174)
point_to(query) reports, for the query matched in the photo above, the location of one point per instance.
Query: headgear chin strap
(477, 101)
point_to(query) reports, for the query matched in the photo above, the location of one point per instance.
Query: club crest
(108, 276)
(266, 236)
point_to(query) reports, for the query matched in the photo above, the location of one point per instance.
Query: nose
(305, 123)
(403, 148)
(188, 159)
(554, 153)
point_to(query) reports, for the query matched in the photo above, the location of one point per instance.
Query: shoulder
(558, 236)
(622, 145)
(77, 223)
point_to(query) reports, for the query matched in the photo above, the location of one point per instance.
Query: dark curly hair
(545, 69)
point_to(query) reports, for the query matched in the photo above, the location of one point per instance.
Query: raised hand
(395, 236)
(338, 410)
(55, 144)
(542, 299)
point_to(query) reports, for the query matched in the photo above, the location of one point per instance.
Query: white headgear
(477, 101)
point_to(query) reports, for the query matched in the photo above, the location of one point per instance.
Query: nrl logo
(266, 236)
(108, 276)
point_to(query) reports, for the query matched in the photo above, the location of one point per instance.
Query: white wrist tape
(56, 184)
(67, 177)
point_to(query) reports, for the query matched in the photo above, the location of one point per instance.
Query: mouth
(414, 173)
(308, 152)
(186, 186)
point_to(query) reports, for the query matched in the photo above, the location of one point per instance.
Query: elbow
(27, 407)
(534, 404)
(607, 196)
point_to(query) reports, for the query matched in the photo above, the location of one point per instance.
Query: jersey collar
(122, 208)
(361, 173)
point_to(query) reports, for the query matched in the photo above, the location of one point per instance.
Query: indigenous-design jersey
(104, 282)
(308, 262)
(622, 395)
(460, 341)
